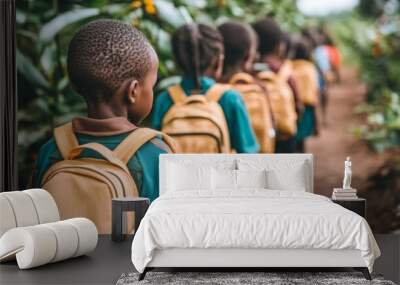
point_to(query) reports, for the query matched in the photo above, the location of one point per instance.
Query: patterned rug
(242, 278)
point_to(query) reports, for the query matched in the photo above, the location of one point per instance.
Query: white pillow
(282, 174)
(224, 179)
(181, 177)
(251, 178)
(280, 180)
(203, 161)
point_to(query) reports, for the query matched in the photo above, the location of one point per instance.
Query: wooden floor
(110, 260)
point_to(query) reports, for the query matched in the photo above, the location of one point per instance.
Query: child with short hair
(199, 53)
(240, 54)
(114, 67)
(306, 75)
(271, 48)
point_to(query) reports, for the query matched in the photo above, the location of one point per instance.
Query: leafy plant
(374, 45)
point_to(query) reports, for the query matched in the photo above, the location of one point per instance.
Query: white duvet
(250, 219)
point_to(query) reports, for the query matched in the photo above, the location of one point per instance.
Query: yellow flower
(150, 9)
(135, 4)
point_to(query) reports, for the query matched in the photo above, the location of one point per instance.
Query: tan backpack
(281, 98)
(84, 187)
(197, 122)
(259, 108)
(305, 75)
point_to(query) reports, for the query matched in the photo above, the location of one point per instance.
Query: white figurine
(347, 174)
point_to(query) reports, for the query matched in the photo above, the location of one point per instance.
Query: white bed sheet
(252, 218)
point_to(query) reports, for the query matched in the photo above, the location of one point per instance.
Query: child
(271, 48)
(306, 75)
(240, 53)
(114, 68)
(334, 57)
(322, 62)
(199, 52)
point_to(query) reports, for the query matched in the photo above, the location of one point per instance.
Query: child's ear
(248, 61)
(132, 91)
(218, 66)
(280, 50)
(249, 56)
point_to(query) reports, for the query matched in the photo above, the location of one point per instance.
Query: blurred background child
(306, 76)
(271, 49)
(240, 54)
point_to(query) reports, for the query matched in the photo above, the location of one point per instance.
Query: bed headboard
(232, 159)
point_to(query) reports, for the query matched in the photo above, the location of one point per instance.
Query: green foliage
(44, 29)
(380, 66)
(375, 8)
(374, 45)
(382, 130)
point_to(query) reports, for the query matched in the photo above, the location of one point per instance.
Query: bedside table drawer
(358, 206)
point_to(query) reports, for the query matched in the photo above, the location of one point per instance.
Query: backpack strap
(130, 145)
(177, 94)
(246, 83)
(65, 139)
(100, 149)
(286, 70)
(216, 91)
(241, 77)
(267, 75)
(171, 143)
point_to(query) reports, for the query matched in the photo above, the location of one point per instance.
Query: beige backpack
(84, 187)
(305, 75)
(282, 99)
(259, 108)
(197, 122)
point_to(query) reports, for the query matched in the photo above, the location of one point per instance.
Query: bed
(241, 210)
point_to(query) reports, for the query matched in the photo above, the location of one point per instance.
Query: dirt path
(335, 141)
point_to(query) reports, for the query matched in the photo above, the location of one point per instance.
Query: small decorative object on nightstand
(345, 193)
(347, 196)
(138, 205)
(357, 205)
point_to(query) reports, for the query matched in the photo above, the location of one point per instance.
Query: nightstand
(358, 206)
(138, 205)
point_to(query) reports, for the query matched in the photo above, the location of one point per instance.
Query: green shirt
(143, 165)
(242, 137)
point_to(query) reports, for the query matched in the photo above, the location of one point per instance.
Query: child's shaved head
(104, 54)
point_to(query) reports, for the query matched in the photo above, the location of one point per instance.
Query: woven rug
(242, 278)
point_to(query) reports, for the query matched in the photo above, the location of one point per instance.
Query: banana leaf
(52, 28)
(30, 72)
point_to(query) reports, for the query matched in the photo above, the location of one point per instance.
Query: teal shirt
(242, 137)
(306, 124)
(143, 165)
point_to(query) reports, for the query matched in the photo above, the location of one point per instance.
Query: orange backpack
(305, 75)
(197, 122)
(84, 187)
(281, 98)
(259, 108)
